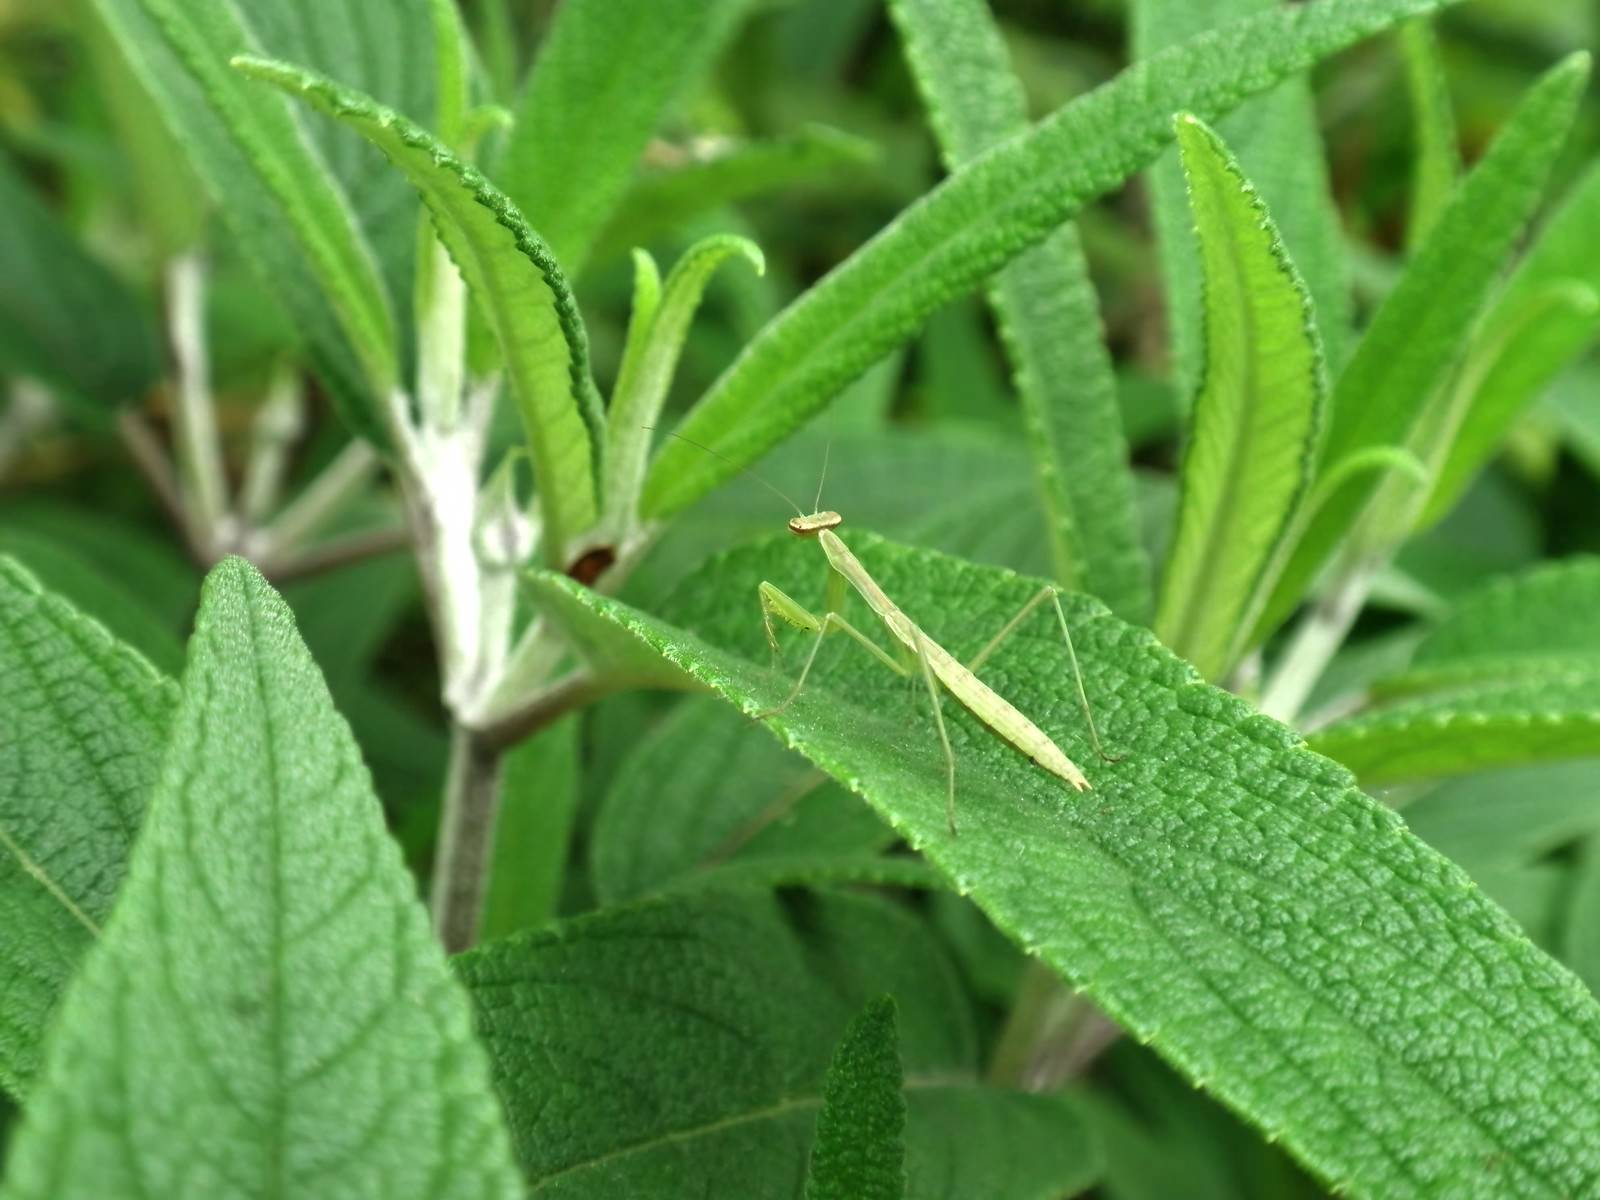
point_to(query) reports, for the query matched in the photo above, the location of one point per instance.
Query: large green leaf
(859, 1151)
(740, 997)
(1511, 818)
(604, 77)
(1512, 676)
(1386, 396)
(1048, 313)
(698, 793)
(1253, 433)
(64, 318)
(519, 289)
(1280, 148)
(1222, 892)
(85, 722)
(977, 221)
(1548, 314)
(285, 208)
(267, 1013)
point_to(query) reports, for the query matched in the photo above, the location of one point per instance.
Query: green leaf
(1222, 893)
(1253, 434)
(267, 1013)
(85, 722)
(699, 793)
(1581, 927)
(518, 286)
(1280, 149)
(606, 73)
(859, 1151)
(1386, 396)
(664, 200)
(740, 997)
(1512, 676)
(64, 318)
(1546, 316)
(957, 488)
(538, 804)
(655, 340)
(1048, 314)
(306, 208)
(1436, 162)
(1510, 818)
(100, 593)
(1516, 356)
(170, 201)
(977, 221)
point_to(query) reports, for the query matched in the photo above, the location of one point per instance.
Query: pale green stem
(466, 839)
(1321, 632)
(343, 480)
(278, 424)
(199, 446)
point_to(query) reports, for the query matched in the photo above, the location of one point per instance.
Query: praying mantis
(937, 665)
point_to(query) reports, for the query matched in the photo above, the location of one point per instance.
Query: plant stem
(346, 477)
(466, 838)
(199, 447)
(31, 408)
(1321, 633)
(337, 552)
(150, 457)
(280, 421)
(1052, 1034)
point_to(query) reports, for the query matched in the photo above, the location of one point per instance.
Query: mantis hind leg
(1053, 594)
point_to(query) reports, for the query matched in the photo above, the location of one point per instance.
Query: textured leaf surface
(1280, 148)
(1386, 395)
(1512, 676)
(603, 79)
(85, 721)
(698, 793)
(519, 289)
(1222, 892)
(267, 1013)
(64, 318)
(859, 1149)
(284, 206)
(977, 221)
(1048, 312)
(741, 998)
(1254, 429)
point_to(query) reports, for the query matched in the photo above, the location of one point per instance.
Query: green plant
(687, 958)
